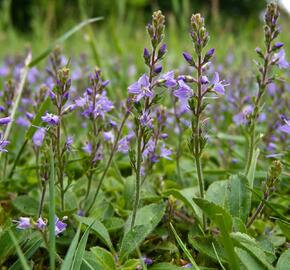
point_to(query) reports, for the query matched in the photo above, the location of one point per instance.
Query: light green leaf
(238, 197)
(250, 244)
(249, 262)
(78, 257)
(186, 195)
(66, 265)
(99, 229)
(216, 192)
(148, 215)
(284, 261)
(252, 169)
(104, 258)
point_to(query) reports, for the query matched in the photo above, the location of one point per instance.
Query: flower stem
(109, 160)
(138, 178)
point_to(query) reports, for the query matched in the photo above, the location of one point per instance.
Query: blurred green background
(234, 25)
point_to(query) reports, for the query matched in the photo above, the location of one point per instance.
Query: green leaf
(51, 219)
(167, 266)
(132, 239)
(238, 197)
(284, 261)
(104, 258)
(184, 248)
(203, 244)
(130, 264)
(21, 256)
(252, 169)
(186, 195)
(99, 229)
(114, 224)
(89, 262)
(285, 227)
(66, 265)
(61, 39)
(28, 253)
(224, 221)
(148, 215)
(213, 211)
(250, 244)
(78, 256)
(26, 205)
(249, 262)
(216, 192)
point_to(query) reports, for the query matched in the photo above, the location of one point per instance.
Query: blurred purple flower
(68, 143)
(165, 152)
(40, 223)
(38, 137)
(50, 118)
(5, 120)
(23, 223)
(280, 57)
(169, 79)
(285, 128)
(218, 86)
(3, 144)
(88, 148)
(109, 136)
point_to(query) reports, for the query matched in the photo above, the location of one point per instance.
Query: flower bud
(162, 51)
(158, 69)
(277, 46)
(187, 56)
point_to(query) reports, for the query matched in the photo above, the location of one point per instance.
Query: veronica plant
(272, 55)
(59, 96)
(196, 99)
(95, 104)
(145, 96)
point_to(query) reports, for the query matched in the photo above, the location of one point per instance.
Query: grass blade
(78, 257)
(184, 248)
(21, 256)
(66, 265)
(61, 39)
(51, 226)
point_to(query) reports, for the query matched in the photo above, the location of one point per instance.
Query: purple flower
(23, 223)
(103, 105)
(280, 58)
(59, 226)
(169, 79)
(80, 213)
(38, 137)
(158, 69)
(68, 143)
(183, 91)
(285, 128)
(278, 45)
(3, 144)
(22, 121)
(187, 265)
(187, 56)
(147, 261)
(165, 152)
(88, 148)
(50, 118)
(141, 88)
(109, 136)
(218, 86)
(146, 120)
(204, 80)
(5, 120)
(123, 145)
(41, 224)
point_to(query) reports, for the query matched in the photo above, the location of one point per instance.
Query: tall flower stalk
(203, 87)
(273, 54)
(145, 96)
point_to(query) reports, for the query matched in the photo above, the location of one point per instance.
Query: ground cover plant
(187, 168)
